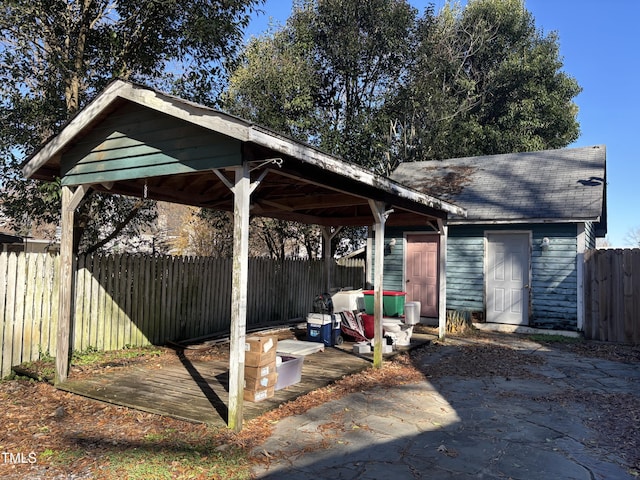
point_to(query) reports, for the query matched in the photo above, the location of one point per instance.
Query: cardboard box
(255, 372)
(257, 359)
(260, 383)
(259, 395)
(260, 351)
(257, 344)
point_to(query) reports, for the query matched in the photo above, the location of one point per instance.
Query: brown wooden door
(422, 273)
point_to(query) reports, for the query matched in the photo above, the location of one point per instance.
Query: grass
(43, 370)
(140, 464)
(159, 460)
(61, 458)
(169, 455)
(92, 356)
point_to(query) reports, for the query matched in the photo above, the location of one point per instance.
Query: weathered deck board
(197, 391)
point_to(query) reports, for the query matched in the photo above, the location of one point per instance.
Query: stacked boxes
(260, 374)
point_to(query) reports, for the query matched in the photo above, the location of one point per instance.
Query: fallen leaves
(38, 416)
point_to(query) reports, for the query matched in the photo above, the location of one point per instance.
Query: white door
(508, 258)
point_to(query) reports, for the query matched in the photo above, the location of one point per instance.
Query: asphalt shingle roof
(550, 185)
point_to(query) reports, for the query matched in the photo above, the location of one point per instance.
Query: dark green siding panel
(393, 261)
(553, 272)
(554, 292)
(465, 269)
(161, 166)
(136, 142)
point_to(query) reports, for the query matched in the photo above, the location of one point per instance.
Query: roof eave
(480, 221)
(325, 161)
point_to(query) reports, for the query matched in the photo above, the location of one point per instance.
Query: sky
(600, 46)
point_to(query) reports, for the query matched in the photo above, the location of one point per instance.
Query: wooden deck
(197, 391)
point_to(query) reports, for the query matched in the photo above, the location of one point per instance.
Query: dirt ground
(48, 433)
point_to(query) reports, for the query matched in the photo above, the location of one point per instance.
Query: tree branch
(118, 228)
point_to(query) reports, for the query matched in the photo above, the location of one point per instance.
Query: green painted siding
(465, 269)
(137, 143)
(554, 294)
(393, 261)
(553, 271)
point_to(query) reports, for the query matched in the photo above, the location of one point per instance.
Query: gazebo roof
(136, 141)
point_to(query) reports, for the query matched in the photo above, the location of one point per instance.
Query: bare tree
(632, 237)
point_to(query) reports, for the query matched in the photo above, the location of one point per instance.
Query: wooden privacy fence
(135, 300)
(612, 295)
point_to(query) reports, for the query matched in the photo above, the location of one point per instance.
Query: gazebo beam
(240, 275)
(71, 200)
(380, 214)
(442, 281)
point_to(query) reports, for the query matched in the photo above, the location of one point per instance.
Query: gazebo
(136, 141)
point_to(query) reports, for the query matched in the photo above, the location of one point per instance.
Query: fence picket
(81, 327)
(33, 301)
(21, 327)
(5, 319)
(49, 296)
(10, 335)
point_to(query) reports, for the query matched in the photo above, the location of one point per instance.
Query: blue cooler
(324, 328)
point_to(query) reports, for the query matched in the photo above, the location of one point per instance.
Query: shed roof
(137, 141)
(563, 185)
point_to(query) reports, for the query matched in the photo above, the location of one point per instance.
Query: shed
(517, 257)
(136, 141)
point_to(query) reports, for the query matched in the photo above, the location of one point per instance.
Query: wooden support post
(71, 200)
(442, 281)
(378, 209)
(327, 236)
(242, 194)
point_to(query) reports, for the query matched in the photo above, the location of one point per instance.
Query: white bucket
(412, 313)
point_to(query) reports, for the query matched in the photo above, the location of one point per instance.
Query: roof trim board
(522, 221)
